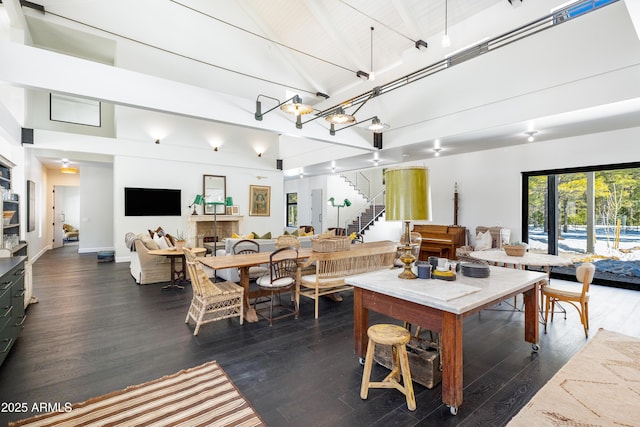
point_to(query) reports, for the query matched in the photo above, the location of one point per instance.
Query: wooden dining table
(242, 262)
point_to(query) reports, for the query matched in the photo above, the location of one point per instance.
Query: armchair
(211, 301)
(70, 232)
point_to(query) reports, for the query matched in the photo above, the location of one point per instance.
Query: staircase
(370, 211)
(366, 219)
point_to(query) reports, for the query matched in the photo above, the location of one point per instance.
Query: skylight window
(575, 9)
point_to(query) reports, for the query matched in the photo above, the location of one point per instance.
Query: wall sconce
(199, 200)
(437, 151)
(157, 142)
(294, 107)
(345, 202)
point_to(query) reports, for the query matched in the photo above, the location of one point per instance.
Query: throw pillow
(249, 236)
(235, 236)
(264, 236)
(483, 241)
(150, 244)
(160, 241)
(302, 233)
(158, 231)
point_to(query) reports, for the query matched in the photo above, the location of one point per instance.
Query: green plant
(518, 244)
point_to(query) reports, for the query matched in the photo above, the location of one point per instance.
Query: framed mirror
(214, 190)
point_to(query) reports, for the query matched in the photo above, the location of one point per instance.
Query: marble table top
(529, 258)
(459, 296)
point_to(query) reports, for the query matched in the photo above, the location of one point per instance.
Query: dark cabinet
(12, 291)
(10, 204)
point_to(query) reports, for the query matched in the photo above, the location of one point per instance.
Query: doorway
(66, 214)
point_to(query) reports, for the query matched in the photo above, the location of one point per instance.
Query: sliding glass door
(586, 214)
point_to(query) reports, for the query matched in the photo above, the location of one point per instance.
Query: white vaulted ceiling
(567, 80)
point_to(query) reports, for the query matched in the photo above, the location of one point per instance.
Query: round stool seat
(397, 337)
(389, 334)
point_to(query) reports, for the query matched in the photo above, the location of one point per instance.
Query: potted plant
(515, 248)
(179, 240)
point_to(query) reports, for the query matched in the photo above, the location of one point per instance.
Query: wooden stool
(397, 337)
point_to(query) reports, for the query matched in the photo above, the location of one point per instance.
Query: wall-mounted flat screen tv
(152, 202)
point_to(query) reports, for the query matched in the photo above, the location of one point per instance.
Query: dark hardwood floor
(95, 331)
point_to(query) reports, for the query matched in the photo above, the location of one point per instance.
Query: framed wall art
(233, 210)
(259, 200)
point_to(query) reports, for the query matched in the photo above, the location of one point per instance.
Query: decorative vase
(180, 243)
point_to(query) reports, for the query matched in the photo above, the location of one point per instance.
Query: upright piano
(440, 240)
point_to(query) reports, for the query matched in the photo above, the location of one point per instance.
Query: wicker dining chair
(211, 301)
(281, 278)
(579, 299)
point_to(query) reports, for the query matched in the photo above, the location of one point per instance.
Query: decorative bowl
(515, 250)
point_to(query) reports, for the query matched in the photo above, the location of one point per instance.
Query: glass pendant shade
(339, 117)
(296, 107)
(377, 126)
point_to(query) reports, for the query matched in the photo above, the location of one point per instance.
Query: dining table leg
(175, 275)
(249, 312)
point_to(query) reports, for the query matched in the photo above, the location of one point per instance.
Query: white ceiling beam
(288, 57)
(408, 18)
(78, 77)
(342, 41)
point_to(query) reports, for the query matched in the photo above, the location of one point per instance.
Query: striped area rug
(200, 396)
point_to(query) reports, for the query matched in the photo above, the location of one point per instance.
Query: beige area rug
(200, 396)
(599, 386)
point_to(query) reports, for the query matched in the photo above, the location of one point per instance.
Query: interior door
(316, 210)
(58, 217)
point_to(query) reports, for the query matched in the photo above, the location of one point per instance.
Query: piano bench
(427, 251)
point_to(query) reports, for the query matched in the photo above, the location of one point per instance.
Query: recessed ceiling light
(530, 135)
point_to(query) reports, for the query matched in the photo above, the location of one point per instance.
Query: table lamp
(407, 198)
(197, 201)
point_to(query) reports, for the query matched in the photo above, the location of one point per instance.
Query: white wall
(96, 208)
(188, 176)
(490, 181)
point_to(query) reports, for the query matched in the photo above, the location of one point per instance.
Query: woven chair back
(342, 267)
(200, 283)
(283, 262)
(287, 241)
(246, 246)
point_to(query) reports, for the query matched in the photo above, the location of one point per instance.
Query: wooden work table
(440, 306)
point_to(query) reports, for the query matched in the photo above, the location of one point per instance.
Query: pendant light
(446, 41)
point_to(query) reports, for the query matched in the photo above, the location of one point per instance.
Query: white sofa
(266, 245)
(146, 268)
